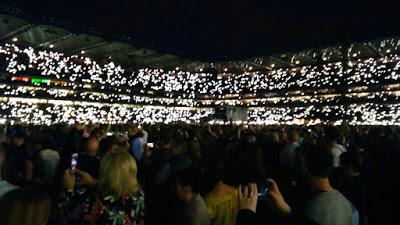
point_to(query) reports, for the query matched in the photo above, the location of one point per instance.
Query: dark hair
(214, 171)
(318, 160)
(332, 133)
(351, 159)
(165, 136)
(19, 134)
(106, 143)
(188, 178)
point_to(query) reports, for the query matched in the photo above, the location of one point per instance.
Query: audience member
(193, 210)
(119, 199)
(353, 186)
(288, 155)
(108, 144)
(25, 206)
(17, 152)
(222, 200)
(5, 186)
(136, 141)
(248, 154)
(332, 136)
(89, 160)
(326, 205)
(47, 162)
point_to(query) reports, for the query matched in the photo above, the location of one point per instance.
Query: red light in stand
(24, 79)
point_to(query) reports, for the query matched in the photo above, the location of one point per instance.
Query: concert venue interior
(228, 75)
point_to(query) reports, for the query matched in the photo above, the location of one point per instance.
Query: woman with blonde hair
(118, 201)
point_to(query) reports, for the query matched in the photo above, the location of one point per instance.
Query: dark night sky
(214, 29)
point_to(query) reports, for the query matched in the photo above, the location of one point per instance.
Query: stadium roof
(189, 34)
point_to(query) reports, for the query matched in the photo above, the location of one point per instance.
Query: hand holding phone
(74, 163)
(263, 189)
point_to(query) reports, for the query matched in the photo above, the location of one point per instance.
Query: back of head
(98, 133)
(92, 146)
(25, 206)
(275, 136)
(108, 144)
(294, 136)
(165, 137)
(117, 175)
(351, 160)
(318, 161)
(18, 137)
(213, 172)
(188, 178)
(332, 133)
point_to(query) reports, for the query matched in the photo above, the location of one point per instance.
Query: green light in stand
(39, 81)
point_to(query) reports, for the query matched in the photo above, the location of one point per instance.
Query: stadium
(199, 113)
(52, 75)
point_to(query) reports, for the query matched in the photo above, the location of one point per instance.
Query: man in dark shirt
(19, 158)
(353, 186)
(89, 161)
(157, 192)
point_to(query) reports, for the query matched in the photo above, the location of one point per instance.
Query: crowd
(182, 174)
(81, 72)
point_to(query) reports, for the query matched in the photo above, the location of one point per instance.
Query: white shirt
(337, 150)
(48, 160)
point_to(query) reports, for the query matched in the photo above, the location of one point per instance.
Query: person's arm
(248, 196)
(71, 205)
(66, 202)
(212, 133)
(276, 199)
(245, 217)
(28, 169)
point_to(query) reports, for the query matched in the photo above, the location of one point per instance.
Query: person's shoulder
(5, 187)
(198, 202)
(49, 153)
(216, 196)
(139, 195)
(329, 199)
(339, 147)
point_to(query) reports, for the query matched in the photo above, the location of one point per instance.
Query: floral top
(92, 209)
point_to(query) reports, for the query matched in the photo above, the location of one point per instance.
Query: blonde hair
(118, 174)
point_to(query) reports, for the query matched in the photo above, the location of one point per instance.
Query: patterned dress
(93, 209)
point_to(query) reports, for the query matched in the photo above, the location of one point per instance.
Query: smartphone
(263, 189)
(150, 145)
(74, 162)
